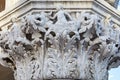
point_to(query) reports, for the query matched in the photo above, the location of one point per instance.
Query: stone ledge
(20, 9)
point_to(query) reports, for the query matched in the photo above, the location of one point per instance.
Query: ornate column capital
(57, 45)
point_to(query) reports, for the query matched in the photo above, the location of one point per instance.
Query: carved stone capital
(54, 45)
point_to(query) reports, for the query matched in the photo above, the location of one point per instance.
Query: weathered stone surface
(56, 45)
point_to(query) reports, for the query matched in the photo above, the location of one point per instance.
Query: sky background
(114, 74)
(119, 5)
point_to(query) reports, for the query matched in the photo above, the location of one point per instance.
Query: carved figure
(61, 15)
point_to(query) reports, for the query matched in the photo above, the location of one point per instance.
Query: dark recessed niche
(2, 5)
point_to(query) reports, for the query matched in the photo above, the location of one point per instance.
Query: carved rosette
(42, 46)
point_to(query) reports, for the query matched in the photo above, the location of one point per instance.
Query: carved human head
(59, 7)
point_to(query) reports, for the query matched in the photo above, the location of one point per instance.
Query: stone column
(60, 44)
(9, 3)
